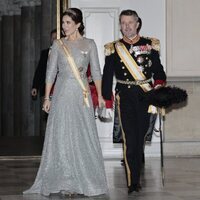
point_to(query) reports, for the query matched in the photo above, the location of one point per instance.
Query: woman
(72, 161)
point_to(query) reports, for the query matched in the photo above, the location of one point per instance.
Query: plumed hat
(166, 96)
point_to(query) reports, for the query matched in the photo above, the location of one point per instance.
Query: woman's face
(129, 26)
(69, 26)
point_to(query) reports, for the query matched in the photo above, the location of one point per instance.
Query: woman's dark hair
(134, 14)
(77, 17)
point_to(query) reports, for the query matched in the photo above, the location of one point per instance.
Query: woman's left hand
(101, 102)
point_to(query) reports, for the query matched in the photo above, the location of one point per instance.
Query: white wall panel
(183, 39)
(102, 26)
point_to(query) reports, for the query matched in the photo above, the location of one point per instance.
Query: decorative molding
(112, 12)
(7, 7)
(183, 79)
(181, 148)
(101, 25)
(22, 3)
(111, 150)
(182, 53)
(13, 7)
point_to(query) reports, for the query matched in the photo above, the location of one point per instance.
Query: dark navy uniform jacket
(40, 73)
(146, 54)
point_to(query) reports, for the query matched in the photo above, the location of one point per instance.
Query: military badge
(142, 49)
(141, 68)
(131, 50)
(140, 59)
(149, 63)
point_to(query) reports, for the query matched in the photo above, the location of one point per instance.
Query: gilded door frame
(61, 6)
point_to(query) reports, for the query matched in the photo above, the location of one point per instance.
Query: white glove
(108, 113)
(105, 114)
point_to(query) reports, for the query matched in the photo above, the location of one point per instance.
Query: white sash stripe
(131, 65)
(133, 68)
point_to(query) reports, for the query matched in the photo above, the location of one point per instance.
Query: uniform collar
(133, 41)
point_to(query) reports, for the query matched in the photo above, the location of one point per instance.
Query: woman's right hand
(46, 105)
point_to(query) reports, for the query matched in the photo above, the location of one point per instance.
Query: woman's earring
(76, 32)
(63, 33)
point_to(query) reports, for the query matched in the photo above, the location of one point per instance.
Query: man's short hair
(53, 31)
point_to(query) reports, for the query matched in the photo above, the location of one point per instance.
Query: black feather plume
(166, 96)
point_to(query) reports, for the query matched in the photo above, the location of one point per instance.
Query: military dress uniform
(133, 111)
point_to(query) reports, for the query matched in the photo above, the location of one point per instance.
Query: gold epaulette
(109, 48)
(155, 43)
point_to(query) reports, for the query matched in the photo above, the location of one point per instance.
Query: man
(135, 62)
(38, 85)
(40, 73)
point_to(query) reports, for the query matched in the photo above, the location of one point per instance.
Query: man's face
(129, 26)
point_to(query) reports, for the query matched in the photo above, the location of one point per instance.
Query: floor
(182, 180)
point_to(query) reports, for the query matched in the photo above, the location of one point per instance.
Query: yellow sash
(75, 71)
(131, 65)
(133, 68)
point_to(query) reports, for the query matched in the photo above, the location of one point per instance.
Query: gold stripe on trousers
(124, 143)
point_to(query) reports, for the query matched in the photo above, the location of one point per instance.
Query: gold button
(127, 79)
(146, 58)
(129, 86)
(123, 67)
(125, 74)
(146, 65)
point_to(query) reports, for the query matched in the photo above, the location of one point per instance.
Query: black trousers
(117, 133)
(134, 118)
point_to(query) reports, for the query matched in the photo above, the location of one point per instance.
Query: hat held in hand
(166, 96)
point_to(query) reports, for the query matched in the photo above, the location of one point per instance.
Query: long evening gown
(72, 160)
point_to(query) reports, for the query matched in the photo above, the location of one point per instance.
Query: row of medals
(140, 59)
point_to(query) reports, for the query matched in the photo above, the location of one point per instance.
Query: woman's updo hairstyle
(77, 17)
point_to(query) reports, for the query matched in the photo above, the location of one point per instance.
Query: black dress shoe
(122, 162)
(139, 186)
(134, 188)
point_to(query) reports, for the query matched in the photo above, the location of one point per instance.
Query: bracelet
(46, 98)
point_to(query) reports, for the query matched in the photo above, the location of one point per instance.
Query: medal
(140, 59)
(131, 49)
(141, 68)
(149, 63)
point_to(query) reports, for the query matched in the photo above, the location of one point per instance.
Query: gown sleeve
(94, 62)
(52, 67)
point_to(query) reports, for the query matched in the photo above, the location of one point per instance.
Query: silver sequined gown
(71, 159)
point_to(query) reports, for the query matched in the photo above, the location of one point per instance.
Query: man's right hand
(46, 105)
(34, 92)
